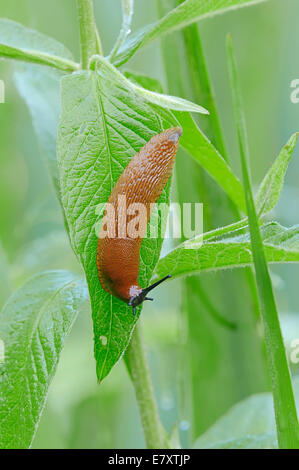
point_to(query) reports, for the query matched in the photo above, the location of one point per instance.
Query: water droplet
(184, 425)
(103, 340)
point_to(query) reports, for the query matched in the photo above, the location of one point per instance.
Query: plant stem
(283, 396)
(154, 433)
(90, 43)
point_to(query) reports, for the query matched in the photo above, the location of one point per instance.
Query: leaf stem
(283, 396)
(154, 433)
(37, 57)
(90, 42)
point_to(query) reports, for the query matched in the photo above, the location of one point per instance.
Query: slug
(142, 181)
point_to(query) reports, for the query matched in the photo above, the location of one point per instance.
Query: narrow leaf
(165, 101)
(281, 245)
(185, 14)
(168, 101)
(33, 326)
(127, 10)
(271, 186)
(21, 43)
(38, 58)
(201, 149)
(16, 35)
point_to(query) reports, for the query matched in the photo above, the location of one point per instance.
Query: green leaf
(33, 326)
(38, 58)
(284, 403)
(185, 14)
(103, 124)
(168, 101)
(127, 11)
(281, 245)
(159, 99)
(271, 186)
(21, 43)
(201, 149)
(145, 81)
(250, 424)
(39, 87)
(16, 35)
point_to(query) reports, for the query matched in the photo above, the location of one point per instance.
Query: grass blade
(283, 396)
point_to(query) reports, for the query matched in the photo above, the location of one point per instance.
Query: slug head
(142, 296)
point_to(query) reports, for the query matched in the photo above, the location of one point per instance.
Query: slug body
(142, 182)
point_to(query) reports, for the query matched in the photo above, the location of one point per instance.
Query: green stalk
(136, 361)
(90, 43)
(283, 396)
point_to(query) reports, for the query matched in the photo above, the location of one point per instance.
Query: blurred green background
(197, 377)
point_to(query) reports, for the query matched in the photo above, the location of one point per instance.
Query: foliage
(106, 116)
